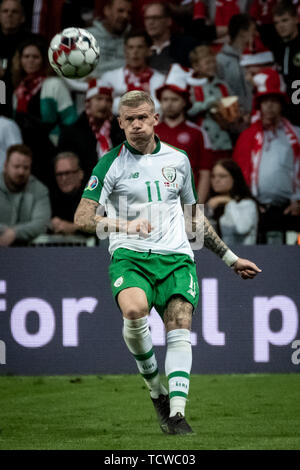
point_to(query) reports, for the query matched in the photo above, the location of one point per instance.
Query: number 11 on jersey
(148, 184)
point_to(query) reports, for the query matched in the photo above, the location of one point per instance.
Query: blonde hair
(136, 98)
(200, 52)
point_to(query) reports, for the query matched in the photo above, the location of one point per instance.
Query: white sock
(178, 367)
(138, 339)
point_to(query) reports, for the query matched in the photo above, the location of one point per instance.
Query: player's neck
(144, 148)
(173, 122)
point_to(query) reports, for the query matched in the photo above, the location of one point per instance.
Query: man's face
(100, 107)
(136, 52)
(138, 123)
(172, 104)
(118, 15)
(270, 107)
(11, 16)
(156, 23)
(286, 26)
(68, 175)
(17, 171)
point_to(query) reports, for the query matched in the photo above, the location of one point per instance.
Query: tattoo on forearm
(212, 241)
(85, 216)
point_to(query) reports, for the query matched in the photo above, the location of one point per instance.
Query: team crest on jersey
(92, 183)
(169, 173)
(119, 281)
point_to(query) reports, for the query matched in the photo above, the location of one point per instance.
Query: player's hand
(246, 269)
(140, 226)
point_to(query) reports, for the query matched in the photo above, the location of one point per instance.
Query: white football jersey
(152, 186)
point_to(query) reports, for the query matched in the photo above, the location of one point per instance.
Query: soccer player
(152, 261)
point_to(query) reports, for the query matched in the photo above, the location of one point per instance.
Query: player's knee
(179, 321)
(133, 312)
(178, 314)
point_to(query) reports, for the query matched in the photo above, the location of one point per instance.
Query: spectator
(262, 12)
(42, 104)
(12, 33)
(254, 60)
(241, 29)
(180, 9)
(177, 131)
(136, 75)
(24, 201)
(206, 100)
(96, 129)
(110, 34)
(231, 207)
(286, 49)
(269, 156)
(67, 194)
(51, 16)
(166, 47)
(10, 134)
(217, 14)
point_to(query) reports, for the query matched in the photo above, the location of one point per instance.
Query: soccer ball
(73, 53)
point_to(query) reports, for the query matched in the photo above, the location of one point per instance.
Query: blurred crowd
(225, 78)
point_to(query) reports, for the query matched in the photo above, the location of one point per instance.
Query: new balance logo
(134, 175)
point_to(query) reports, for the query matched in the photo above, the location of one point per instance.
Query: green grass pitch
(114, 412)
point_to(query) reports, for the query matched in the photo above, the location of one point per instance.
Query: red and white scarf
(256, 153)
(139, 81)
(102, 132)
(28, 87)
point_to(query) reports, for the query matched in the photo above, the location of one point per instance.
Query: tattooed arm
(245, 268)
(212, 241)
(89, 217)
(85, 215)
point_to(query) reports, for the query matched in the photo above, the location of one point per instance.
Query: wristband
(229, 258)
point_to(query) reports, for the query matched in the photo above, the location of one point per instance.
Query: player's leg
(178, 319)
(133, 303)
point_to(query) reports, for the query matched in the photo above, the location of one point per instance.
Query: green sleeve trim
(100, 171)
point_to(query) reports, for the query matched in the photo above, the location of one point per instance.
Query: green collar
(137, 152)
